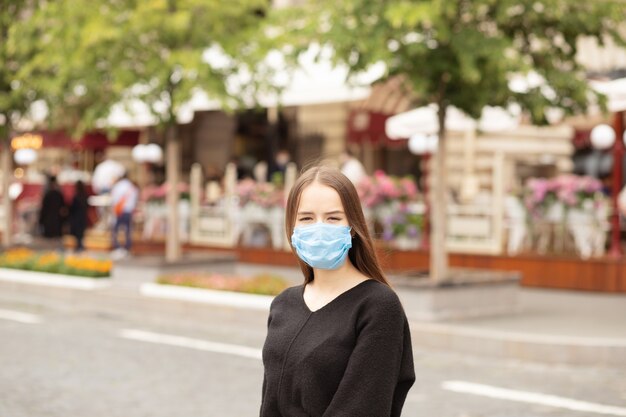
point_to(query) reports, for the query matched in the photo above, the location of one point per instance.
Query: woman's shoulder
(380, 296)
(288, 295)
(380, 289)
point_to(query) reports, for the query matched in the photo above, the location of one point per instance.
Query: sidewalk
(551, 326)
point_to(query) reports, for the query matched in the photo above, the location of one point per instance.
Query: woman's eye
(334, 219)
(304, 219)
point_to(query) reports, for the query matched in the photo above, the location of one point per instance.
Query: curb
(205, 296)
(53, 280)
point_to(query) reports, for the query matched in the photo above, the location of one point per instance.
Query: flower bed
(158, 193)
(566, 213)
(264, 284)
(389, 203)
(570, 191)
(263, 194)
(381, 189)
(52, 262)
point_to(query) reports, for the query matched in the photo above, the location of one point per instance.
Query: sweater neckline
(349, 290)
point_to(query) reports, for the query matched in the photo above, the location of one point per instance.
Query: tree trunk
(6, 169)
(438, 251)
(172, 240)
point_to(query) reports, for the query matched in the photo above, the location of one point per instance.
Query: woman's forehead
(317, 196)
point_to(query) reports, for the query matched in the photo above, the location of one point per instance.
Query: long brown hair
(362, 254)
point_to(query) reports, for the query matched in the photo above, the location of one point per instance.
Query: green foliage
(15, 96)
(463, 52)
(87, 56)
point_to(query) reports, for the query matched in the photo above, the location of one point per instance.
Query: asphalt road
(65, 363)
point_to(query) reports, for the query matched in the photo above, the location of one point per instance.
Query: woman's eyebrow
(301, 213)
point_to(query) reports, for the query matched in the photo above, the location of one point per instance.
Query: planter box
(206, 296)
(137, 270)
(53, 280)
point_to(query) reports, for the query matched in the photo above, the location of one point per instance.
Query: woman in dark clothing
(53, 210)
(338, 345)
(78, 215)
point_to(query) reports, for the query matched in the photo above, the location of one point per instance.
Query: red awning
(365, 126)
(90, 140)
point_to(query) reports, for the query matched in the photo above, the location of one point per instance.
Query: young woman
(338, 345)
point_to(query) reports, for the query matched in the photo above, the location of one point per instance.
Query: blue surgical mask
(321, 245)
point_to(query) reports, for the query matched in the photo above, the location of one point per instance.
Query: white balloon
(154, 153)
(25, 156)
(602, 136)
(15, 189)
(139, 153)
(418, 144)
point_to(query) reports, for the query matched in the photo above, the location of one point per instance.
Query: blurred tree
(157, 52)
(15, 97)
(66, 58)
(462, 53)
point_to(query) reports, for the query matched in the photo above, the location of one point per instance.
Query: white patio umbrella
(421, 127)
(499, 119)
(423, 120)
(615, 91)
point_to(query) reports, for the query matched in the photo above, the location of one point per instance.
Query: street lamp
(603, 137)
(150, 153)
(25, 156)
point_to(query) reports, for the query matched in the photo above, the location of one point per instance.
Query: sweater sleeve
(268, 397)
(264, 386)
(380, 369)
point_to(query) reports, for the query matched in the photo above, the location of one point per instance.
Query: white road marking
(532, 397)
(180, 341)
(500, 335)
(19, 317)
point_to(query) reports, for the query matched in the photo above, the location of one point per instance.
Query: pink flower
(410, 189)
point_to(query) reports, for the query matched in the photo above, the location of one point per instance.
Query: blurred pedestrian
(279, 166)
(351, 167)
(53, 210)
(340, 344)
(78, 214)
(245, 166)
(260, 171)
(213, 173)
(124, 197)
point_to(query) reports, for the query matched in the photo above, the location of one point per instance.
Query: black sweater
(351, 357)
